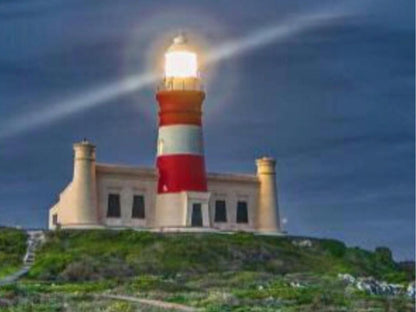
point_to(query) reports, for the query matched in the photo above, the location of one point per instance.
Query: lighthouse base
(184, 209)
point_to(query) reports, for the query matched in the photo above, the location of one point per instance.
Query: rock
(410, 291)
(296, 285)
(303, 243)
(374, 287)
(347, 278)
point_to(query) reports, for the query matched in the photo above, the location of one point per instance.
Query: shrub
(383, 255)
(395, 277)
(92, 269)
(48, 267)
(334, 247)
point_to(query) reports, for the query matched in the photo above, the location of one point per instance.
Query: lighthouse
(182, 197)
(177, 193)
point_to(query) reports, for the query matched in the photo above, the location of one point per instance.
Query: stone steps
(34, 241)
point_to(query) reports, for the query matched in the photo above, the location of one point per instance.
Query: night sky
(332, 101)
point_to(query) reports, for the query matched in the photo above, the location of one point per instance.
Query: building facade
(178, 194)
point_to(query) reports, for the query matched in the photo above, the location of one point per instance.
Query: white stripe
(180, 139)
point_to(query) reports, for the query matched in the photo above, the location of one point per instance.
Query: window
(242, 213)
(55, 219)
(220, 211)
(138, 207)
(113, 206)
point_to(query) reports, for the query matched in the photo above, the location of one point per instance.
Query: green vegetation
(12, 250)
(227, 291)
(97, 254)
(212, 272)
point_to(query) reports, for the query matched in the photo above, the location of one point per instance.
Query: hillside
(12, 249)
(215, 272)
(121, 253)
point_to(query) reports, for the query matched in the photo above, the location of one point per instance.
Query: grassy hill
(93, 255)
(215, 272)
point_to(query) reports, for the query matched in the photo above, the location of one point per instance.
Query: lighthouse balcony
(180, 84)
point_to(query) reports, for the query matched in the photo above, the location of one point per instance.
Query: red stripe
(180, 107)
(181, 173)
(181, 118)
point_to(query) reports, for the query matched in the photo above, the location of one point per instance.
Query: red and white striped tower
(182, 197)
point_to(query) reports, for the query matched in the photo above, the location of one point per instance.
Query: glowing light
(180, 60)
(181, 64)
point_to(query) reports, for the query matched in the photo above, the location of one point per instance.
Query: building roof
(152, 173)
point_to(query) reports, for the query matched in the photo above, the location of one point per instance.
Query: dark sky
(334, 103)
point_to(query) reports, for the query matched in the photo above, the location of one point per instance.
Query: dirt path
(13, 277)
(155, 303)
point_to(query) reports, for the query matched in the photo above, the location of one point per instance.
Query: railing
(181, 84)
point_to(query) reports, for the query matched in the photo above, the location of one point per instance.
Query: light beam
(95, 97)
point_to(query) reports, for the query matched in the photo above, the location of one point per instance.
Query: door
(196, 219)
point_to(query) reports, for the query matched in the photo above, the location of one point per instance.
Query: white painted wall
(233, 189)
(126, 182)
(130, 181)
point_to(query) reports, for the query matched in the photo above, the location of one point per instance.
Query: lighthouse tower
(182, 197)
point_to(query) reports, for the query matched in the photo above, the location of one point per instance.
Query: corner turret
(84, 192)
(268, 210)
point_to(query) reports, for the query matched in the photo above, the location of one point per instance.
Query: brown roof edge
(213, 176)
